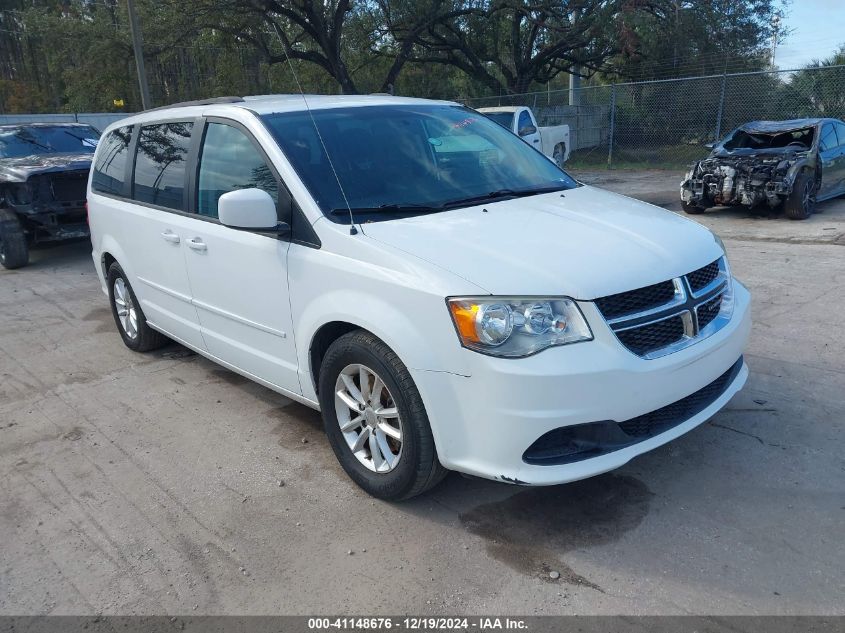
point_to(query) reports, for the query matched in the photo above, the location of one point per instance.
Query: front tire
(691, 209)
(14, 250)
(375, 419)
(128, 316)
(802, 201)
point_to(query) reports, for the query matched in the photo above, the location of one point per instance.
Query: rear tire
(128, 316)
(802, 201)
(396, 465)
(691, 209)
(14, 250)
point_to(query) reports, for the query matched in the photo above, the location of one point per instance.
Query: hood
(586, 243)
(20, 169)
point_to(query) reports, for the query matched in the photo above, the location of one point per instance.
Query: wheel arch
(419, 348)
(110, 252)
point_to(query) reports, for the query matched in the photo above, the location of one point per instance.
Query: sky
(818, 29)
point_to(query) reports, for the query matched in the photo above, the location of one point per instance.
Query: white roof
(501, 109)
(269, 104)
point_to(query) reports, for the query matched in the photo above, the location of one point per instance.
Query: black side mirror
(528, 129)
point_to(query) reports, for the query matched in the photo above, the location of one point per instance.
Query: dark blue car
(788, 165)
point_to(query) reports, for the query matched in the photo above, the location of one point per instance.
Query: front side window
(828, 139)
(840, 133)
(524, 121)
(160, 164)
(110, 164)
(389, 159)
(230, 161)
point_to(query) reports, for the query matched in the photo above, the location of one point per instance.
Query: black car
(43, 175)
(780, 164)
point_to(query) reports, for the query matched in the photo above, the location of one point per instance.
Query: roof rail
(199, 102)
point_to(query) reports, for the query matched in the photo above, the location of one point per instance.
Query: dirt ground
(150, 484)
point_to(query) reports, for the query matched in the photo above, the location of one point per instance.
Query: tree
(682, 38)
(509, 44)
(819, 88)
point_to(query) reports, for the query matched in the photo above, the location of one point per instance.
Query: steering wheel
(797, 144)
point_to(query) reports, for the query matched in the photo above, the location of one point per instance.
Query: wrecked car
(784, 165)
(43, 176)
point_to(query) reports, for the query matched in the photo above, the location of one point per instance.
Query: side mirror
(528, 129)
(709, 145)
(250, 209)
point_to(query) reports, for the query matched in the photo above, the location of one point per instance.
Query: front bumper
(483, 423)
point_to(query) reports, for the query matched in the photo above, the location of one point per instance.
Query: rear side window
(160, 164)
(230, 161)
(110, 164)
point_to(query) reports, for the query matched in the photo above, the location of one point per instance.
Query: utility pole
(138, 46)
(775, 34)
(575, 86)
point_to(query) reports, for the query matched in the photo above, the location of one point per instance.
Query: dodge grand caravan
(444, 294)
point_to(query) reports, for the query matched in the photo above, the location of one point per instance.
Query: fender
(797, 167)
(436, 350)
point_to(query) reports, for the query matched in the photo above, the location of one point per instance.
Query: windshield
(409, 159)
(742, 139)
(505, 119)
(22, 141)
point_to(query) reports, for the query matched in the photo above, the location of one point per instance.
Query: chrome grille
(652, 321)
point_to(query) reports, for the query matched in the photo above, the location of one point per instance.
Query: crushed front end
(51, 205)
(742, 180)
(756, 164)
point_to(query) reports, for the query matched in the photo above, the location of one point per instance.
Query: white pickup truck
(553, 141)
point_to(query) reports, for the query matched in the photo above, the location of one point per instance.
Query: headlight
(514, 327)
(725, 271)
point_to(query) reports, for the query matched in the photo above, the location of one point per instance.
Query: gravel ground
(150, 484)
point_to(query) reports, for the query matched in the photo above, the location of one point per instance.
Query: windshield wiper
(500, 194)
(32, 141)
(384, 208)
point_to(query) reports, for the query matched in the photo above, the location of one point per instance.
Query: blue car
(788, 165)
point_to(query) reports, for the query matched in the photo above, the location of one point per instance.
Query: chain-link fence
(665, 123)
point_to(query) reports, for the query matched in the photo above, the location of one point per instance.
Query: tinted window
(160, 164)
(840, 133)
(24, 140)
(524, 120)
(110, 164)
(230, 161)
(828, 140)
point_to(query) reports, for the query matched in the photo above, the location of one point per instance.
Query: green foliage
(76, 55)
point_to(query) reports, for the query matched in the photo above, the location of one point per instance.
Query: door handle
(170, 236)
(197, 244)
(536, 140)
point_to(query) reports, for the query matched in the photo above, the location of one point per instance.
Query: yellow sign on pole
(118, 103)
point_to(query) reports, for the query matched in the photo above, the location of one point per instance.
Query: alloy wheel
(127, 314)
(808, 199)
(369, 418)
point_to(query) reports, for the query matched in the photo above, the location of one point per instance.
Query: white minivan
(444, 294)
